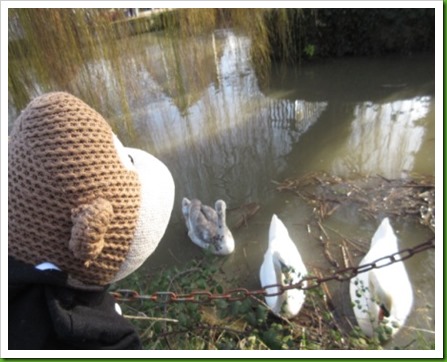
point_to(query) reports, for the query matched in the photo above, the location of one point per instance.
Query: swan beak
(383, 312)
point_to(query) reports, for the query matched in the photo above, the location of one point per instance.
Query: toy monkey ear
(90, 224)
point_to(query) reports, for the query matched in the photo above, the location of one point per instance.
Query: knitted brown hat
(74, 201)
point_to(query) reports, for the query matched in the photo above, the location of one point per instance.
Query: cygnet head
(220, 207)
(185, 206)
(227, 241)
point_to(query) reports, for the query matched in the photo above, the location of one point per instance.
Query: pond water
(222, 135)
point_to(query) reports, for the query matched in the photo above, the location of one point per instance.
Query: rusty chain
(309, 282)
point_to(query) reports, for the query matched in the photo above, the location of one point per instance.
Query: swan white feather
(382, 296)
(282, 265)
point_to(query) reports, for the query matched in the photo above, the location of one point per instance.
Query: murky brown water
(224, 137)
(356, 115)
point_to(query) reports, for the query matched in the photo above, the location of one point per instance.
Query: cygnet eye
(131, 159)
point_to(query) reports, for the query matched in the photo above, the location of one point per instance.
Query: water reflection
(199, 108)
(230, 137)
(385, 138)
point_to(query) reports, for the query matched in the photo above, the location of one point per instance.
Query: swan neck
(221, 220)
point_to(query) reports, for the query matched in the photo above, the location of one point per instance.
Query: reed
(50, 57)
(53, 49)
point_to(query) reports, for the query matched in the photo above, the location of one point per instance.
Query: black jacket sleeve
(48, 310)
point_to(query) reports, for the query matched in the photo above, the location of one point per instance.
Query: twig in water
(325, 243)
(419, 329)
(172, 254)
(344, 251)
(150, 318)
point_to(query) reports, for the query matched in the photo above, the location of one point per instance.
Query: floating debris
(373, 195)
(240, 215)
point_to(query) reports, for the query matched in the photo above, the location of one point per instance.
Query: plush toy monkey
(83, 212)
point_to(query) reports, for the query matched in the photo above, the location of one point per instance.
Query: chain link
(309, 282)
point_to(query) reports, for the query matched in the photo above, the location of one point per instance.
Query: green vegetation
(348, 32)
(223, 324)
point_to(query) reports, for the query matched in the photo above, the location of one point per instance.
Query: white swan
(282, 265)
(207, 226)
(382, 296)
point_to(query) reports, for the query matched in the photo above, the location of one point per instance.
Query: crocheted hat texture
(71, 201)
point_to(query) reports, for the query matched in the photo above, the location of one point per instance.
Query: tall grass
(48, 48)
